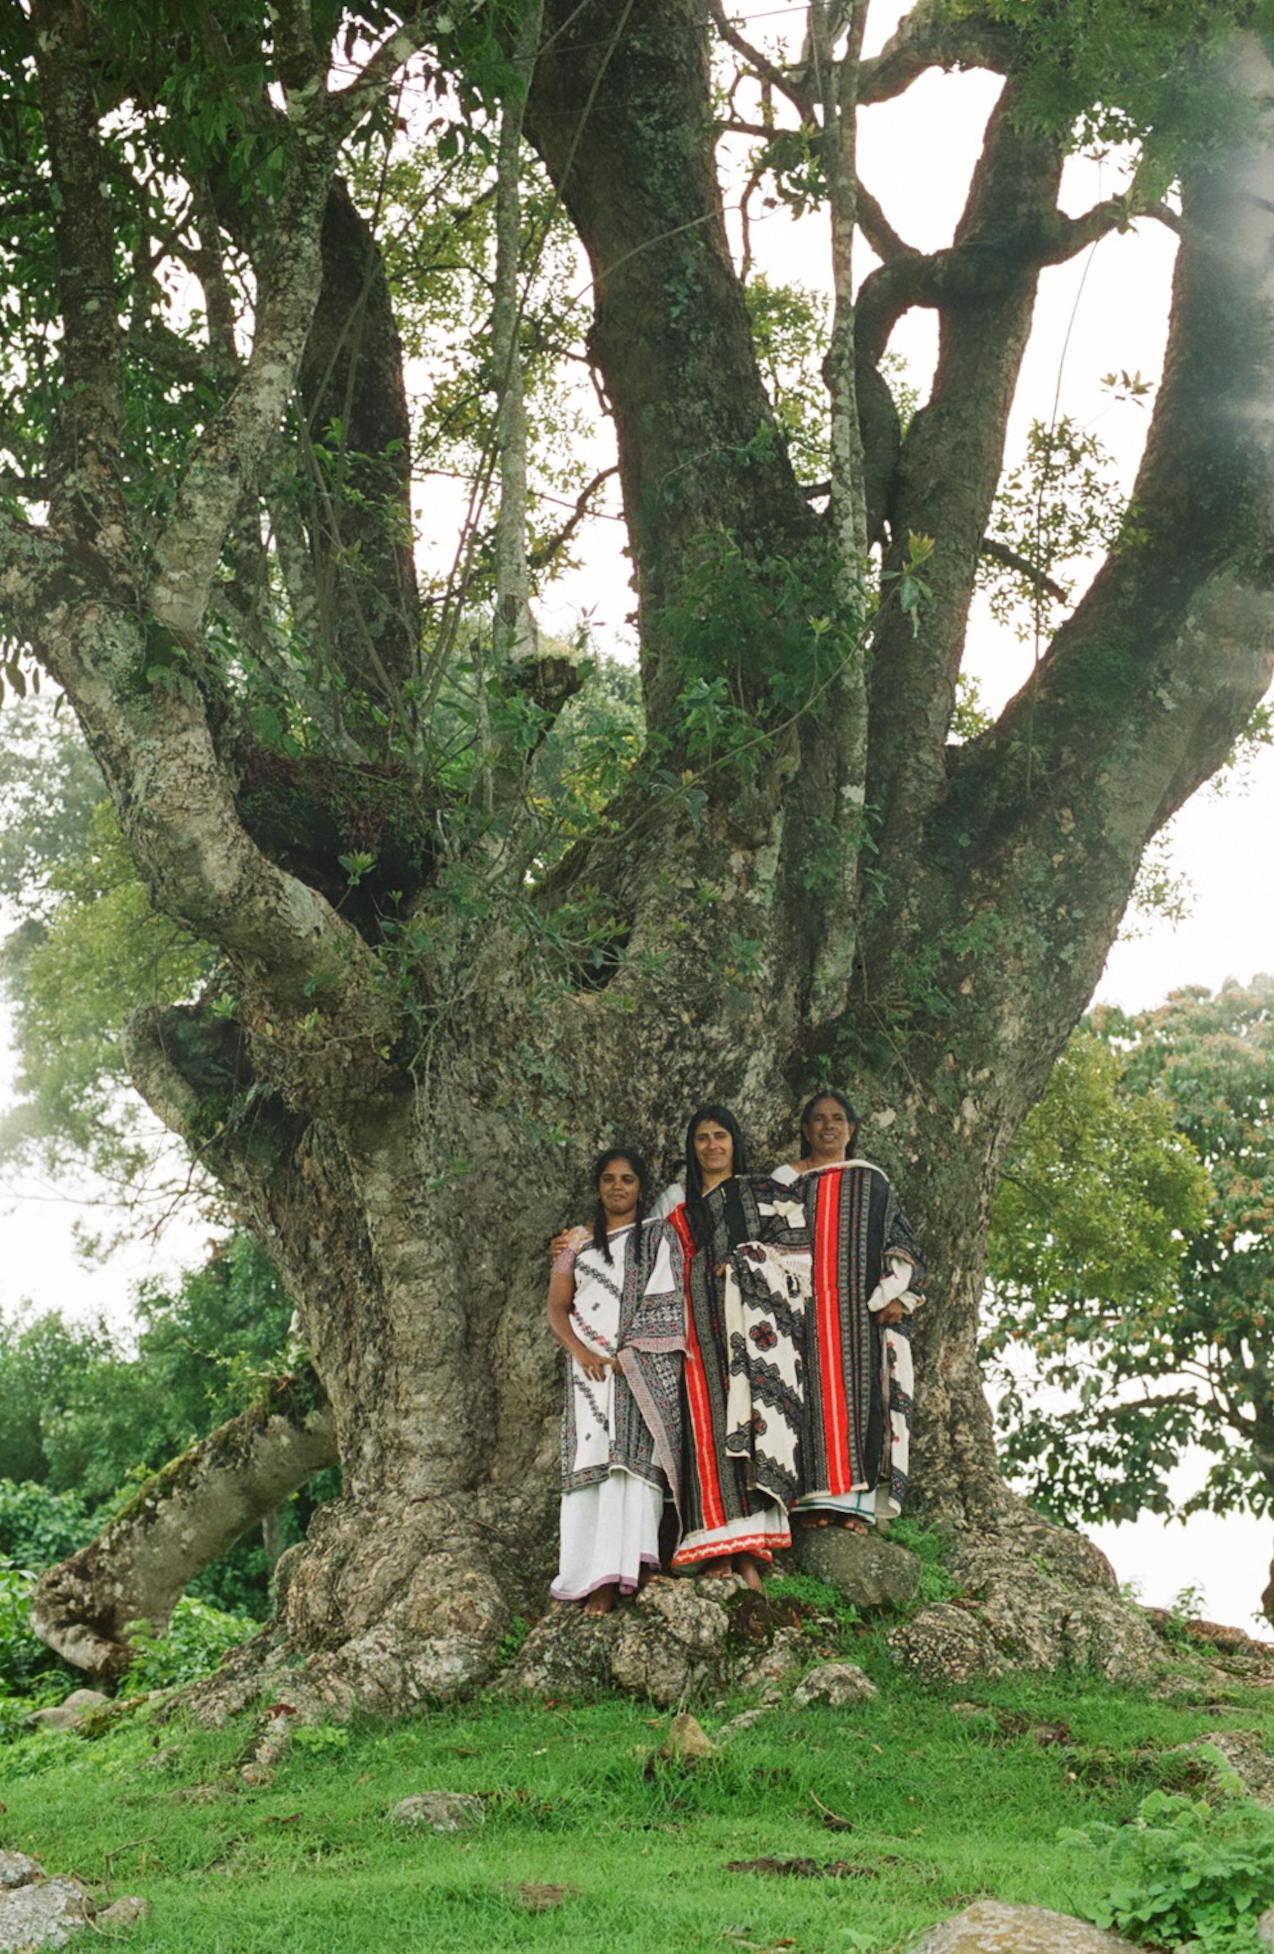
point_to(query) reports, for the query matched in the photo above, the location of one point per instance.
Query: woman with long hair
(866, 1274)
(741, 1423)
(615, 1306)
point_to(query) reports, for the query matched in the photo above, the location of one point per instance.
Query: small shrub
(27, 1669)
(197, 1638)
(1183, 1871)
(511, 1641)
(39, 1527)
(320, 1739)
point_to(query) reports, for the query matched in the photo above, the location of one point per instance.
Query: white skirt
(609, 1532)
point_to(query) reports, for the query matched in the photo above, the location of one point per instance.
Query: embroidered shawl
(858, 1381)
(631, 1422)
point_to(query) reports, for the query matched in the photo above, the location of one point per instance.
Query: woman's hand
(591, 1362)
(891, 1313)
(560, 1241)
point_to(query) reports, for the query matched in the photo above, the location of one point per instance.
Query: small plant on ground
(196, 1640)
(1183, 1871)
(822, 1604)
(511, 1641)
(936, 1584)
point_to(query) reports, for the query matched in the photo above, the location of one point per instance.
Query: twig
(114, 1854)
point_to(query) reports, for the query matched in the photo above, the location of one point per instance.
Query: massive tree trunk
(404, 1112)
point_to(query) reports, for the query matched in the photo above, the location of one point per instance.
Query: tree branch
(347, 106)
(181, 1519)
(1022, 565)
(927, 38)
(949, 469)
(85, 447)
(878, 231)
(543, 554)
(802, 99)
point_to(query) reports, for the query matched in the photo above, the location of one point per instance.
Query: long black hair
(721, 1116)
(637, 1161)
(828, 1092)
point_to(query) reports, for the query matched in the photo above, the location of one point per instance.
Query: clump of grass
(936, 1582)
(822, 1607)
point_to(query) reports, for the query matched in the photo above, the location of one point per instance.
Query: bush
(39, 1527)
(196, 1640)
(27, 1668)
(1183, 1871)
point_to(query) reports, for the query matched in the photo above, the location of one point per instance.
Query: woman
(828, 1124)
(858, 1371)
(615, 1306)
(739, 1452)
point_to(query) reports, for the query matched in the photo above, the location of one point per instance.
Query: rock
(669, 1643)
(673, 1641)
(945, 1644)
(1244, 1752)
(687, 1742)
(42, 1914)
(834, 1683)
(1265, 1928)
(991, 1927)
(864, 1568)
(17, 1870)
(1050, 1600)
(743, 1722)
(782, 1660)
(1043, 1599)
(71, 1713)
(127, 1911)
(442, 1811)
(566, 1653)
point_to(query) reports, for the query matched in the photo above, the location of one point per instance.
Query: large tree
(430, 1009)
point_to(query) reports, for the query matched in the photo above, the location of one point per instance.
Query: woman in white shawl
(615, 1304)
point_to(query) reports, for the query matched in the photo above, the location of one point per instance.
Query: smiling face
(619, 1189)
(828, 1133)
(714, 1150)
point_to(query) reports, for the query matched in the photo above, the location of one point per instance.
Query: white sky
(1103, 313)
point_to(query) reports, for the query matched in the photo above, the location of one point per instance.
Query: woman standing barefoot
(866, 1272)
(737, 1480)
(615, 1305)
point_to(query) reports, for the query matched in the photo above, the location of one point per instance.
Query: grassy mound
(818, 1830)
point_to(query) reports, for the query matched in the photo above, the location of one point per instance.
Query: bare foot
(716, 1570)
(811, 1522)
(851, 1525)
(747, 1567)
(601, 1600)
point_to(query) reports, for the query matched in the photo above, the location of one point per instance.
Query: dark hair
(828, 1092)
(637, 1161)
(722, 1116)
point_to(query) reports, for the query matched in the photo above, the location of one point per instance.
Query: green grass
(945, 1805)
